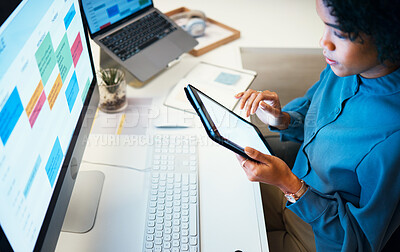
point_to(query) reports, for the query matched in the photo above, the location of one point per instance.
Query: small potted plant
(112, 89)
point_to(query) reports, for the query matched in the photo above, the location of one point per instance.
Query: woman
(345, 183)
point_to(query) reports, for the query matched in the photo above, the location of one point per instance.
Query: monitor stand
(84, 202)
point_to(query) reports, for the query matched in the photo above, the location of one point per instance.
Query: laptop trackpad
(163, 52)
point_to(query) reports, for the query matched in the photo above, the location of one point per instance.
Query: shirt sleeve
(297, 109)
(342, 226)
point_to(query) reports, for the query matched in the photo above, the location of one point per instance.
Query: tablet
(225, 127)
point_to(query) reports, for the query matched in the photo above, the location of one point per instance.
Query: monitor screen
(46, 84)
(102, 13)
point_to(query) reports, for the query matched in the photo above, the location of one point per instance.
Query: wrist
(285, 121)
(291, 184)
(294, 197)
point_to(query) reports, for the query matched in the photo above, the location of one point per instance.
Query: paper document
(219, 82)
(134, 120)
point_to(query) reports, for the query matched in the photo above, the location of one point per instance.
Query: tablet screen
(232, 127)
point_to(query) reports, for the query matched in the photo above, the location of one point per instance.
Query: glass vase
(112, 97)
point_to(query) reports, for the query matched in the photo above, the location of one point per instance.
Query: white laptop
(136, 35)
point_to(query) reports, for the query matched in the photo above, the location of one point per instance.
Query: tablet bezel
(211, 129)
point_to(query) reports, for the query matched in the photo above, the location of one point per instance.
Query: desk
(230, 205)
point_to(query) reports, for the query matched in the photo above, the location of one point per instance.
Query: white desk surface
(231, 211)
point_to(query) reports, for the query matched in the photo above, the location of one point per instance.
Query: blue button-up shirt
(350, 157)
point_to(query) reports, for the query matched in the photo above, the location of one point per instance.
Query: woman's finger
(267, 107)
(250, 102)
(239, 95)
(256, 102)
(240, 158)
(244, 98)
(257, 155)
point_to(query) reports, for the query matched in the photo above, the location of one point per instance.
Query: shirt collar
(384, 85)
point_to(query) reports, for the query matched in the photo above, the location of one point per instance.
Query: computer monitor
(47, 89)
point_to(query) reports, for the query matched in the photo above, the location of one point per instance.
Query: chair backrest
(278, 71)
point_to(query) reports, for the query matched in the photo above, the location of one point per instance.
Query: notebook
(136, 35)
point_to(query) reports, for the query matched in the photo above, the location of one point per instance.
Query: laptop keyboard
(173, 204)
(132, 38)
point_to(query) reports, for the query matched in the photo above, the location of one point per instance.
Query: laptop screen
(103, 13)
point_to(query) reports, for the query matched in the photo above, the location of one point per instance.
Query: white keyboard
(172, 223)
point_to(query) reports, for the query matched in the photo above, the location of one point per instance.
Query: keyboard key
(149, 245)
(185, 232)
(193, 241)
(167, 245)
(150, 230)
(193, 220)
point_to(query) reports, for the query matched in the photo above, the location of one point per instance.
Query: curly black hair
(379, 19)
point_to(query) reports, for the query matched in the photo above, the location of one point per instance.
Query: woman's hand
(266, 105)
(270, 170)
(250, 100)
